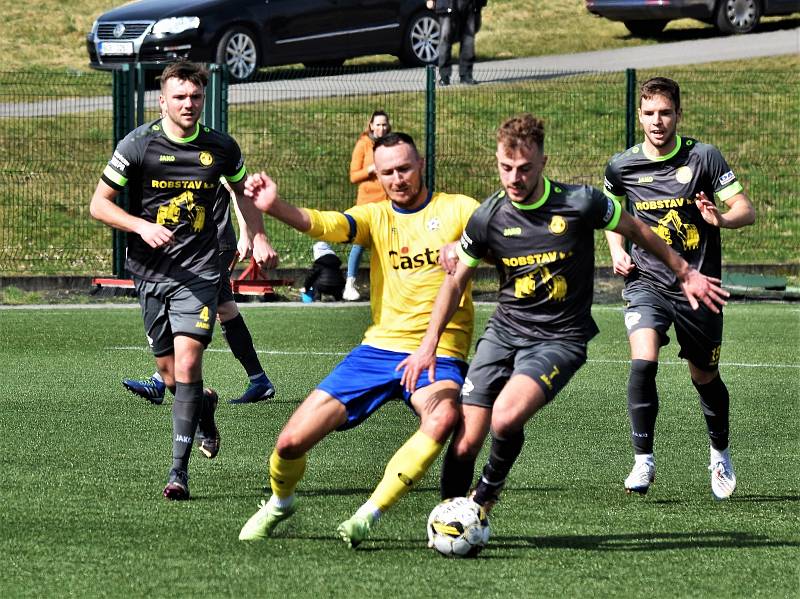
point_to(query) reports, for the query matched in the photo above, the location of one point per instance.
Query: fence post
(630, 107)
(215, 110)
(123, 117)
(631, 102)
(430, 126)
(141, 85)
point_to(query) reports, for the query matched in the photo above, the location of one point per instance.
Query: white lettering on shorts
(467, 387)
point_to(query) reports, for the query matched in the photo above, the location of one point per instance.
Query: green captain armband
(612, 224)
(466, 258)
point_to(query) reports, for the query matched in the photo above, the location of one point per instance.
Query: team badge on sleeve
(727, 178)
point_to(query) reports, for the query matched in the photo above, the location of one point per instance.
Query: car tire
(649, 28)
(421, 40)
(737, 16)
(238, 49)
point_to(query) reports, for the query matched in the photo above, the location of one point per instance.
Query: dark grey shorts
(171, 308)
(699, 332)
(225, 290)
(500, 355)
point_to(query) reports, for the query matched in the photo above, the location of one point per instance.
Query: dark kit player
(671, 183)
(540, 234)
(172, 168)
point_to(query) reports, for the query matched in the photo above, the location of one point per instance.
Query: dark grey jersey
(662, 192)
(544, 253)
(226, 235)
(174, 182)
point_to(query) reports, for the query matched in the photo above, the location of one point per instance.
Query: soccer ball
(458, 527)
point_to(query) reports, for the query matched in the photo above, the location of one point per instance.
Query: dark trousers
(461, 23)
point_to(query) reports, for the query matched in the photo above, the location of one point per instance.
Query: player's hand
(697, 286)
(260, 188)
(155, 235)
(448, 257)
(708, 210)
(244, 247)
(622, 262)
(414, 365)
(263, 254)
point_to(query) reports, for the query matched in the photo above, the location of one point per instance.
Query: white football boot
(642, 475)
(723, 478)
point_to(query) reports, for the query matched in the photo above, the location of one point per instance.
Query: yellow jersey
(405, 276)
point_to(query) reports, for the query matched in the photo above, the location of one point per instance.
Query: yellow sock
(285, 474)
(407, 466)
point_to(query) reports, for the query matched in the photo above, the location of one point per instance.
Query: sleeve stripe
(612, 196)
(353, 228)
(612, 224)
(113, 176)
(726, 193)
(466, 258)
(238, 176)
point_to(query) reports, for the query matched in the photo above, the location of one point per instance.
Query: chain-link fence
(56, 135)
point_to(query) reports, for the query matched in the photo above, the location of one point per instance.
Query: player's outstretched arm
(620, 259)
(264, 193)
(445, 305)
(104, 208)
(263, 253)
(696, 286)
(740, 211)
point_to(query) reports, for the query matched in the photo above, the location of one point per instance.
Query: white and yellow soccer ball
(458, 527)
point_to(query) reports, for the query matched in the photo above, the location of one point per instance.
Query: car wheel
(646, 28)
(238, 49)
(737, 16)
(421, 41)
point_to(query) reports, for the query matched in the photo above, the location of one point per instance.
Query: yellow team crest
(558, 225)
(206, 158)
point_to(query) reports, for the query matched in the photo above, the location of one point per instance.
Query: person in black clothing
(326, 274)
(685, 191)
(459, 21)
(540, 234)
(173, 168)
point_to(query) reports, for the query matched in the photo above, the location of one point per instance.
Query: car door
(375, 27)
(299, 29)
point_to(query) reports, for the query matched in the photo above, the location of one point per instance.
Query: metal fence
(57, 132)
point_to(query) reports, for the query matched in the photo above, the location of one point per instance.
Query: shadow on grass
(645, 541)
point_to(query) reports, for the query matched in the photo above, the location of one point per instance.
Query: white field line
(324, 353)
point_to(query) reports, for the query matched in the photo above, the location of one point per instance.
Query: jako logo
(183, 439)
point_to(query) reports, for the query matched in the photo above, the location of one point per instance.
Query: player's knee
(290, 445)
(465, 449)
(439, 423)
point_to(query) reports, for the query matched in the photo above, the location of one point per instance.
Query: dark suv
(649, 17)
(247, 34)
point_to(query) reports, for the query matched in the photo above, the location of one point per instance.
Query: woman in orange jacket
(362, 173)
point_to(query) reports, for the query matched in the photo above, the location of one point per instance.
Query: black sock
(643, 404)
(238, 337)
(502, 455)
(185, 415)
(715, 401)
(456, 475)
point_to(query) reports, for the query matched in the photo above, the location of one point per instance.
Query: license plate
(107, 48)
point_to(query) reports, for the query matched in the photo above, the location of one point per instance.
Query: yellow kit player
(404, 236)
